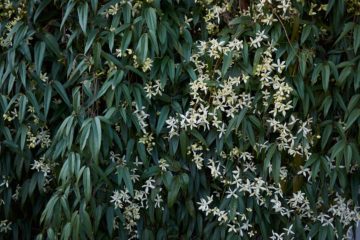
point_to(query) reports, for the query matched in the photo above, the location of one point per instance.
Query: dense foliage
(179, 119)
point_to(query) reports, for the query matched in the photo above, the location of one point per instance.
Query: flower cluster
(218, 97)
(5, 226)
(42, 138)
(132, 205)
(142, 116)
(153, 90)
(13, 14)
(179, 119)
(46, 168)
(270, 11)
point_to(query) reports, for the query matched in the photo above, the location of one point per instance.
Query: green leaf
(270, 153)
(65, 206)
(22, 73)
(190, 207)
(110, 220)
(325, 135)
(257, 57)
(305, 33)
(52, 44)
(327, 104)
(313, 158)
(316, 73)
(174, 191)
(129, 149)
(66, 231)
(86, 223)
(348, 157)
(96, 128)
(234, 123)
(82, 11)
(150, 18)
(354, 115)
(69, 6)
(315, 170)
(323, 233)
(75, 225)
(353, 102)
(22, 107)
(47, 99)
(198, 136)
(337, 149)
(127, 181)
(40, 8)
(346, 29)
(60, 89)
(23, 133)
(142, 47)
(344, 75)
(85, 132)
(162, 118)
(226, 63)
(90, 39)
(356, 37)
(39, 53)
(98, 216)
(183, 143)
(87, 184)
(276, 165)
(302, 62)
(171, 69)
(325, 72)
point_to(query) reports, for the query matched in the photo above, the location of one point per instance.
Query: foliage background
(73, 131)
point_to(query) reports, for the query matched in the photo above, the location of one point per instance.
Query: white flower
(149, 90)
(147, 65)
(280, 66)
(158, 200)
(246, 156)
(116, 199)
(236, 45)
(204, 204)
(260, 36)
(276, 236)
(298, 198)
(114, 157)
(246, 187)
(134, 177)
(232, 228)
(41, 166)
(44, 77)
(198, 160)
(325, 220)
(5, 182)
(305, 172)
(119, 53)
(149, 184)
(231, 193)
(246, 225)
(222, 216)
(222, 130)
(137, 162)
(173, 124)
(273, 123)
(214, 170)
(163, 164)
(113, 10)
(5, 226)
(141, 115)
(289, 231)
